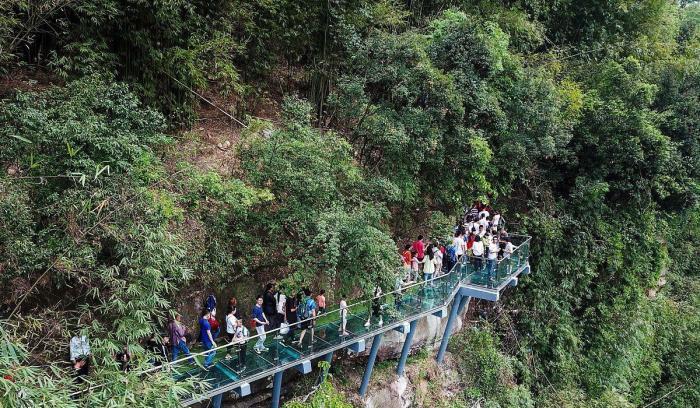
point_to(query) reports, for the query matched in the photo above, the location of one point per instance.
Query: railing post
(457, 306)
(277, 389)
(406, 347)
(370, 363)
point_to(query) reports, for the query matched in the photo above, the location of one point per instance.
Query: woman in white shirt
(231, 324)
(478, 252)
(343, 316)
(429, 267)
(458, 242)
(493, 258)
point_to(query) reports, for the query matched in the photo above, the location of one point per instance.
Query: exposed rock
(395, 394)
(428, 331)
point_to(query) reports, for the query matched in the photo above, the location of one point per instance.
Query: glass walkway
(400, 311)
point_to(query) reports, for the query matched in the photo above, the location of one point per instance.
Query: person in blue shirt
(206, 338)
(260, 322)
(307, 316)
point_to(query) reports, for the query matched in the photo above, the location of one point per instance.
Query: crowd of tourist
(480, 239)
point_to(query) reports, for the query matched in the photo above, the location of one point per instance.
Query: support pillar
(277, 389)
(457, 306)
(322, 375)
(216, 400)
(406, 347)
(370, 363)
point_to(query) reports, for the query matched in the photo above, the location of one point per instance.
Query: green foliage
(24, 385)
(106, 247)
(71, 131)
(326, 396)
(577, 118)
(320, 221)
(487, 374)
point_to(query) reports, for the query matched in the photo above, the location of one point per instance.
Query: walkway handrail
(369, 301)
(337, 309)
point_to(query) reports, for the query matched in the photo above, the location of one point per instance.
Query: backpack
(210, 303)
(308, 307)
(214, 324)
(452, 253)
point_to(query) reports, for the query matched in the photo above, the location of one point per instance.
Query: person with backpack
(376, 309)
(451, 258)
(307, 317)
(260, 320)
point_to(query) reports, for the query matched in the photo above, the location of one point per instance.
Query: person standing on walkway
(260, 320)
(376, 309)
(437, 258)
(419, 247)
(281, 302)
(407, 258)
(428, 267)
(414, 267)
(178, 340)
(343, 315)
(240, 336)
(494, 248)
(458, 243)
(308, 316)
(205, 336)
(291, 306)
(215, 326)
(321, 301)
(478, 253)
(231, 324)
(269, 306)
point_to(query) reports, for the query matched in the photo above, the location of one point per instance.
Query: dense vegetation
(579, 119)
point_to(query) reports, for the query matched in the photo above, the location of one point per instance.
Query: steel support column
(406, 347)
(370, 363)
(216, 400)
(457, 306)
(277, 389)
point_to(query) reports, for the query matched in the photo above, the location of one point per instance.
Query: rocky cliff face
(429, 331)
